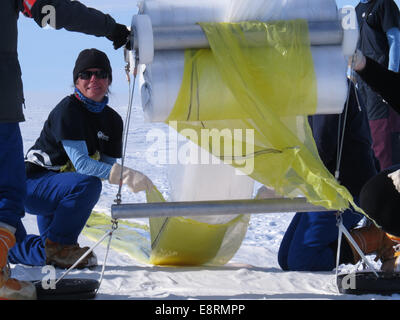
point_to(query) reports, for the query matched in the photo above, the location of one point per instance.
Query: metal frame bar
(212, 208)
(193, 37)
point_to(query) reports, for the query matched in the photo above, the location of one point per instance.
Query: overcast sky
(47, 57)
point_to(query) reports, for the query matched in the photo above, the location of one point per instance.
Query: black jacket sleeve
(73, 16)
(389, 15)
(383, 81)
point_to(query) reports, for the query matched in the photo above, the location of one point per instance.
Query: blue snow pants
(62, 202)
(307, 243)
(12, 175)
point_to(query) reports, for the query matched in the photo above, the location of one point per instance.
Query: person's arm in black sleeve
(74, 16)
(389, 15)
(383, 81)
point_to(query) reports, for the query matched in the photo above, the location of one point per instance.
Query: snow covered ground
(253, 274)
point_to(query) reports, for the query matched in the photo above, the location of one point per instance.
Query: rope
(339, 219)
(341, 132)
(103, 269)
(109, 233)
(339, 151)
(131, 92)
(341, 228)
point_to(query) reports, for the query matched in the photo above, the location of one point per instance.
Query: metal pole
(211, 208)
(193, 37)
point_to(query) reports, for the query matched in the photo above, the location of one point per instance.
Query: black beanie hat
(91, 58)
(381, 202)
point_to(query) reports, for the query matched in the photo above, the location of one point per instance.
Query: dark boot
(64, 256)
(373, 240)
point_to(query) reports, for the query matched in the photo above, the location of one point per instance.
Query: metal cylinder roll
(193, 37)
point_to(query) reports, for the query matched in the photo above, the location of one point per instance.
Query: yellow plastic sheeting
(270, 89)
(272, 71)
(130, 238)
(174, 241)
(183, 241)
(274, 87)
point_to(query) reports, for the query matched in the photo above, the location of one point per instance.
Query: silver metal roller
(211, 208)
(193, 37)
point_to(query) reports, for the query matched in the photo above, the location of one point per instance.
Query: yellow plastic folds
(266, 66)
(258, 91)
(257, 78)
(272, 81)
(130, 238)
(173, 241)
(183, 241)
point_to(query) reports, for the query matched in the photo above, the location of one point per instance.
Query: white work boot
(12, 289)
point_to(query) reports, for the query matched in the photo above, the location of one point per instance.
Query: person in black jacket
(382, 80)
(73, 16)
(77, 147)
(379, 24)
(380, 196)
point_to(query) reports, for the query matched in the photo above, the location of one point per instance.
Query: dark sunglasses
(86, 75)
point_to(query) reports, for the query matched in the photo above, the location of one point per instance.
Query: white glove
(395, 176)
(357, 61)
(135, 180)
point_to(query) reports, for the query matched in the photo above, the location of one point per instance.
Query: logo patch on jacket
(102, 136)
